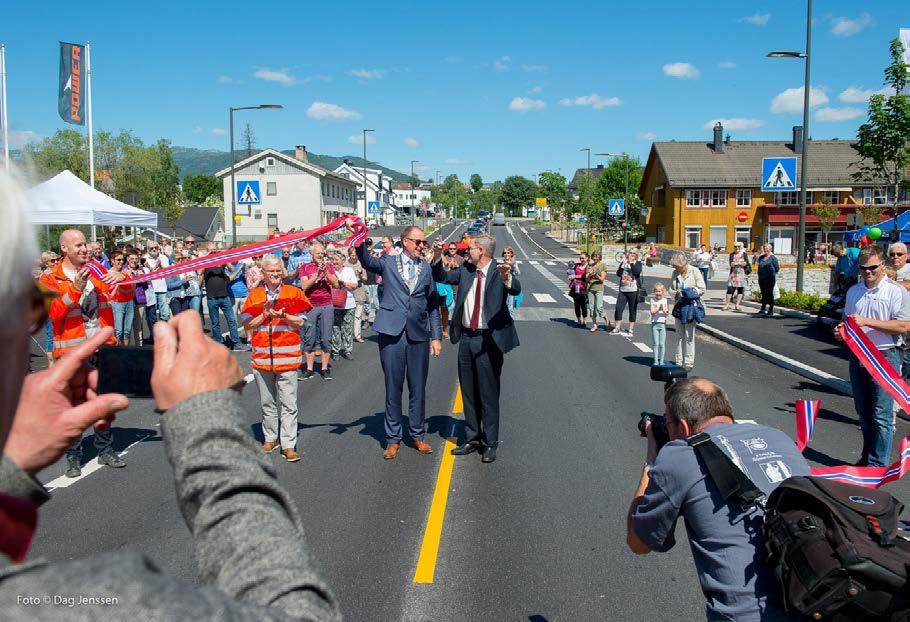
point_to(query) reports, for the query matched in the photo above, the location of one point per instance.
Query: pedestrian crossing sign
(616, 207)
(778, 174)
(248, 193)
(373, 207)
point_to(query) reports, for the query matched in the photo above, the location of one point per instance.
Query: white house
(379, 188)
(293, 193)
(415, 198)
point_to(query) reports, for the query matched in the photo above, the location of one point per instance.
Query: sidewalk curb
(816, 375)
(803, 315)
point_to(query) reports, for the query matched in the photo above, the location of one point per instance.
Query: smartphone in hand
(126, 370)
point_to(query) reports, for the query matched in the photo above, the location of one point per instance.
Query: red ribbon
(806, 412)
(254, 250)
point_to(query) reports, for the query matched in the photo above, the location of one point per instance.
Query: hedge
(804, 301)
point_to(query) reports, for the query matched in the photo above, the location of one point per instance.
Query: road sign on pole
(616, 207)
(778, 175)
(372, 207)
(248, 192)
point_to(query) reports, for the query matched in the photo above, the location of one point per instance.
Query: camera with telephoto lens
(668, 374)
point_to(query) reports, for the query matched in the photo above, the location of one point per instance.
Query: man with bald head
(82, 308)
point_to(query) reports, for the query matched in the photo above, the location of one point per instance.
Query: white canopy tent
(67, 200)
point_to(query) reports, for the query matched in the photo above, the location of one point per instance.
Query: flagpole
(91, 138)
(4, 120)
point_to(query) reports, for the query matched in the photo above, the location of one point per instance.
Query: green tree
(517, 193)
(826, 214)
(248, 140)
(882, 142)
(65, 150)
(476, 182)
(198, 188)
(552, 186)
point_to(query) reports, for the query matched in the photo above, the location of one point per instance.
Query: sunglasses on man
(895, 254)
(418, 242)
(871, 268)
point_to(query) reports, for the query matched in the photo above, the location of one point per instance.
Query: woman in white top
(703, 259)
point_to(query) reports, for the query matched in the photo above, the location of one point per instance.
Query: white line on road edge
(806, 371)
(514, 239)
(65, 482)
(543, 297)
(535, 244)
(642, 347)
(534, 263)
(550, 263)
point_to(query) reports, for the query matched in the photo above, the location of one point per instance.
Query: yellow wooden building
(710, 192)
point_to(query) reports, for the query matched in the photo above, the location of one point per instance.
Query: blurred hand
(505, 271)
(81, 279)
(188, 363)
(837, 334)
(437, 249)
(112, 277)
(435, 347)
(57, 405)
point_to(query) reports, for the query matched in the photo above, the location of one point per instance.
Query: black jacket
(495, 310)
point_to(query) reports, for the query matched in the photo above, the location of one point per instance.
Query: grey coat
(239, 517)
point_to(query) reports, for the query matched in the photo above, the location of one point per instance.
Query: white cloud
(756, 19)
(217, 131)
(331, 112)
(524, 104)
(736, 124)
(367, 74)
(647, 136)
(197, 130)
(19, 139)
(791, 100)
(593, 100)
(535, 90)
(503, 63)
(681, 70)
(858, 95)
(838, 114)
(411, 142)
(357, 139)
(727, 64)
(534, 68)
(226, 80)
(847, 27)
(281, 76)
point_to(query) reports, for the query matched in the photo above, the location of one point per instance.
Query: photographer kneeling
(725, 539)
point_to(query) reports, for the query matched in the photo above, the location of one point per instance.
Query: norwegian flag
(806, 412)
(870, 358)
(95, 268)
(870, 477)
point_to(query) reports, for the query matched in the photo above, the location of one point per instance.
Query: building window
(693, 236)
(270, 161)
(271, 220)
(718, 236)
(271, 188)
(742, 235)
(832, 196)
(871, 196)
(743, 198)
(693, 198)
(360, 195)
(661, 233)
(718, 198)
(787, 198)
(323, 189)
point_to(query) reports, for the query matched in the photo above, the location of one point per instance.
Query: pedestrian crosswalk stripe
(642, 347)
(610, 300)
(550, 263)
(534, 263)
(543, 297)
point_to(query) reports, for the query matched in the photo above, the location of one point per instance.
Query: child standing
(659, 311)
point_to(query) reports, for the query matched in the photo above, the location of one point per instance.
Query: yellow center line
(429, 549)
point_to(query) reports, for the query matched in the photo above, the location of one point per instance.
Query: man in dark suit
(407, 318)
(483, 327)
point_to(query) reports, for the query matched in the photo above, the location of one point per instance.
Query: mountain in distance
(192, 161)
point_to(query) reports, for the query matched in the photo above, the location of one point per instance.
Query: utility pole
(411, 180)
(365, 202)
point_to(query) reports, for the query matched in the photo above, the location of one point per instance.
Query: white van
(499, 219)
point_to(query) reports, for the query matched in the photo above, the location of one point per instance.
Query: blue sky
(496, 88)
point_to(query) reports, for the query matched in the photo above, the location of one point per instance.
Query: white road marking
(534, 263)
(514, 239)
(550, 263)
(543, 297)
(64, 482)
(642, 347)
(610, 300)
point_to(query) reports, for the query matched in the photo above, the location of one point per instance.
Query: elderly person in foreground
(685, 278)
(226, 489)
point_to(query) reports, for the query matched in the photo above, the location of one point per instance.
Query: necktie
(410, 272)
(475, 312)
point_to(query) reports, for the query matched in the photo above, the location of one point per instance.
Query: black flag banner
(71, 100)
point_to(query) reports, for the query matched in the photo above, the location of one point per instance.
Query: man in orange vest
(82, 308)
(272, 315)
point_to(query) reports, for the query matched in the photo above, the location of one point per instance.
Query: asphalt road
(538, 535)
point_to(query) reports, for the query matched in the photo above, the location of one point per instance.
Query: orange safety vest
(123, 293)
(66, 314)
(276, 344)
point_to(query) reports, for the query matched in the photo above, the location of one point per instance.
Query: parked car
(499, 219)
(483, 214)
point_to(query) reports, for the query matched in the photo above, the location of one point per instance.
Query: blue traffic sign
(372, 207)
(778, 174)
(468, 202)
(616, 207)
(248, 193)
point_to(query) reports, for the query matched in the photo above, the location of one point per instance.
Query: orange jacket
(66, 314)
(123, 293)
(276, 343)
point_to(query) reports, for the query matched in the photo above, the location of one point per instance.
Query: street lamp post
(587, 220)
(411, 180)
(625, 230)
(365, 177)
(804, 159)
(233, 185)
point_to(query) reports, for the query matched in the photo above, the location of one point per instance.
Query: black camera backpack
(834, 550)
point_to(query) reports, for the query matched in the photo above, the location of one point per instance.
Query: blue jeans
(704, 273)
(875, 409)
(659, 339)
(162, 307)
(123, 320)
(227, 309)
(48, 337)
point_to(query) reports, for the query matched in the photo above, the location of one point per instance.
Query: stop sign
(742, 217)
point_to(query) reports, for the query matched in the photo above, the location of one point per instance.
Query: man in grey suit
(483, 327)
(408, 318)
